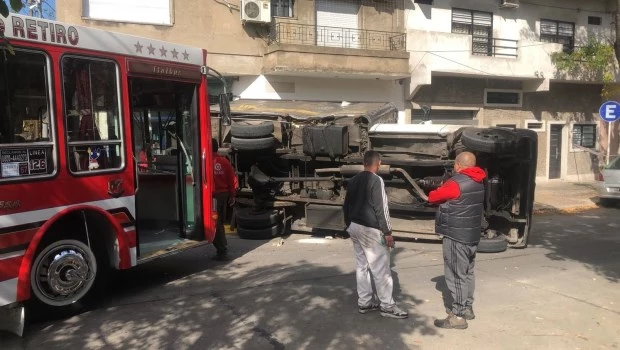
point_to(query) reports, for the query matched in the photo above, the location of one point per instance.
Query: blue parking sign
(610, 111)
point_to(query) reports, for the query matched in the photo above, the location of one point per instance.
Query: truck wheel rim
(63, 274)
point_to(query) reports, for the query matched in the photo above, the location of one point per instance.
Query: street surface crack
(261, 332)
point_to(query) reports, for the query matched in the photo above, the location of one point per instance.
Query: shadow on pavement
(591, 237)
(187, 302)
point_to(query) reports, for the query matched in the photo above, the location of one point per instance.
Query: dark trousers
(459, 261)
(219, 241)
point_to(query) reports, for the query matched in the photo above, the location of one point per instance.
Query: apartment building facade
(488, 62)
(477, 62)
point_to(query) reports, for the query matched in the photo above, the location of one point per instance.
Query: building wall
(522, 23)
(435, 49)
(564, 103)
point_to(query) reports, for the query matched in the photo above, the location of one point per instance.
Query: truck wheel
(251, 130)
(492, 245)
(248, 218)
(262, 233)
(253, 144)
(494, 140)
(64, 273)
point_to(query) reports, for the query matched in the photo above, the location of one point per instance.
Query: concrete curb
(567, 210)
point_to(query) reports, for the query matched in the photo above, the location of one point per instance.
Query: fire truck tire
(492, 245)
(249, 218)
(65, 275)
(492, 140)
(242, 144)
(246, 129)
(261, 233)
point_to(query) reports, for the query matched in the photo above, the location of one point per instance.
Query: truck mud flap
(12, 319)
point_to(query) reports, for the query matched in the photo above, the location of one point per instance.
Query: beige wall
(564, 102)
(233, 48)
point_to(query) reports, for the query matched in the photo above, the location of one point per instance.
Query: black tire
(607, 202)
(253, 144)
(492, 140)
(251, 130)
(492, 245)
(49, 300)
(262, 233)
(249, 218)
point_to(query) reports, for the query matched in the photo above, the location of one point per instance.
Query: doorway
(555, 151)
(165, 145)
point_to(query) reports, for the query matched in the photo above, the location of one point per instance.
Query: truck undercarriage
(294, 160)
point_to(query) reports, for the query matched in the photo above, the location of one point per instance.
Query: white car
(609, 183)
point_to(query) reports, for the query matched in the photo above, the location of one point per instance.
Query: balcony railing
(486, 46)
(304, 34)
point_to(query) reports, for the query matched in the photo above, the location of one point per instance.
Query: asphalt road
(562, 292)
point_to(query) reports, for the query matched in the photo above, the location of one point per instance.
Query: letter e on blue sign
(610, 111)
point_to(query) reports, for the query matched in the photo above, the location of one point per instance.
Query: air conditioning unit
(257, 11)
(509, 4)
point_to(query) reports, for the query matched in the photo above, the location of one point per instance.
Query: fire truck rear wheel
(64, 273)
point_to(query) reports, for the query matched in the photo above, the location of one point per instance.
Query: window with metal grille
(479, 25)
(282, 8)
(506, 98)
(558, 32)
(594, 20)
(584, 135)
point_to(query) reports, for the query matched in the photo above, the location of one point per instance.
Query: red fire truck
(105, 147)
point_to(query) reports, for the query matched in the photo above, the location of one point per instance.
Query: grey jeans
(459, 261)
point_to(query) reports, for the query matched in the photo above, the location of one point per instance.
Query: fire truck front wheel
(63, 274)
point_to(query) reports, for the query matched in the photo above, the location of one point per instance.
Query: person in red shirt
(459, 221)
(224, 192)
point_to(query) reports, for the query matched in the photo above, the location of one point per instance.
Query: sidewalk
(566, 197)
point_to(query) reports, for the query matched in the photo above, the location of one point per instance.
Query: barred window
(558, 32)
(584, 135)
(282, 8)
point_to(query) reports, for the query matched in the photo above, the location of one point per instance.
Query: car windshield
(614, 165)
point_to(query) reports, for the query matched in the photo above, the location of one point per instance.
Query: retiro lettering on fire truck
(42, 31)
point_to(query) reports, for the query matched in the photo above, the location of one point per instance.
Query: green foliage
(594, 61)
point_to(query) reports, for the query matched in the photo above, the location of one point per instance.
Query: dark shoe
(368, 308)
(394, 312)
(221, 257)
(468, 314)
(452, 322)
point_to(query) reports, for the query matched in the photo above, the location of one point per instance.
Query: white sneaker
(394, 312)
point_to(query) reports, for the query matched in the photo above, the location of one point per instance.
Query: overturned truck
(294, 160)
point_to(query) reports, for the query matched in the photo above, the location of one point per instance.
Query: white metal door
(337, 24)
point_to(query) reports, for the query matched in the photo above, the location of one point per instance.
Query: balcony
(302, 49)
(452, 54)
(485, 46)
(346, 38)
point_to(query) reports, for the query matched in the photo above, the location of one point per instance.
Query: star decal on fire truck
(138, 47)
(163, 51)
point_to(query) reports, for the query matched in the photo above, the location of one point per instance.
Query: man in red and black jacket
(224, 192)
(458, 220)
